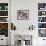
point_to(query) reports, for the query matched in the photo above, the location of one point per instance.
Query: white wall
(32, 6)
(24, 5)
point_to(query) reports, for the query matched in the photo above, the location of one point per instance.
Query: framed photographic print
(23, 14)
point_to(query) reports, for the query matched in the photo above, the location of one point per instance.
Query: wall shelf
(4, 19)
(3, 22)
(41, 22)
(3, 10)
(3, 16)
(41, 28)
(41, 10)
(42, 16)
(42, 19)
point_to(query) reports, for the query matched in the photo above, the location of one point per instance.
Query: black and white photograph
(23, 14)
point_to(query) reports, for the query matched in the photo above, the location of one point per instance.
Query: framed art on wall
(23, 14)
